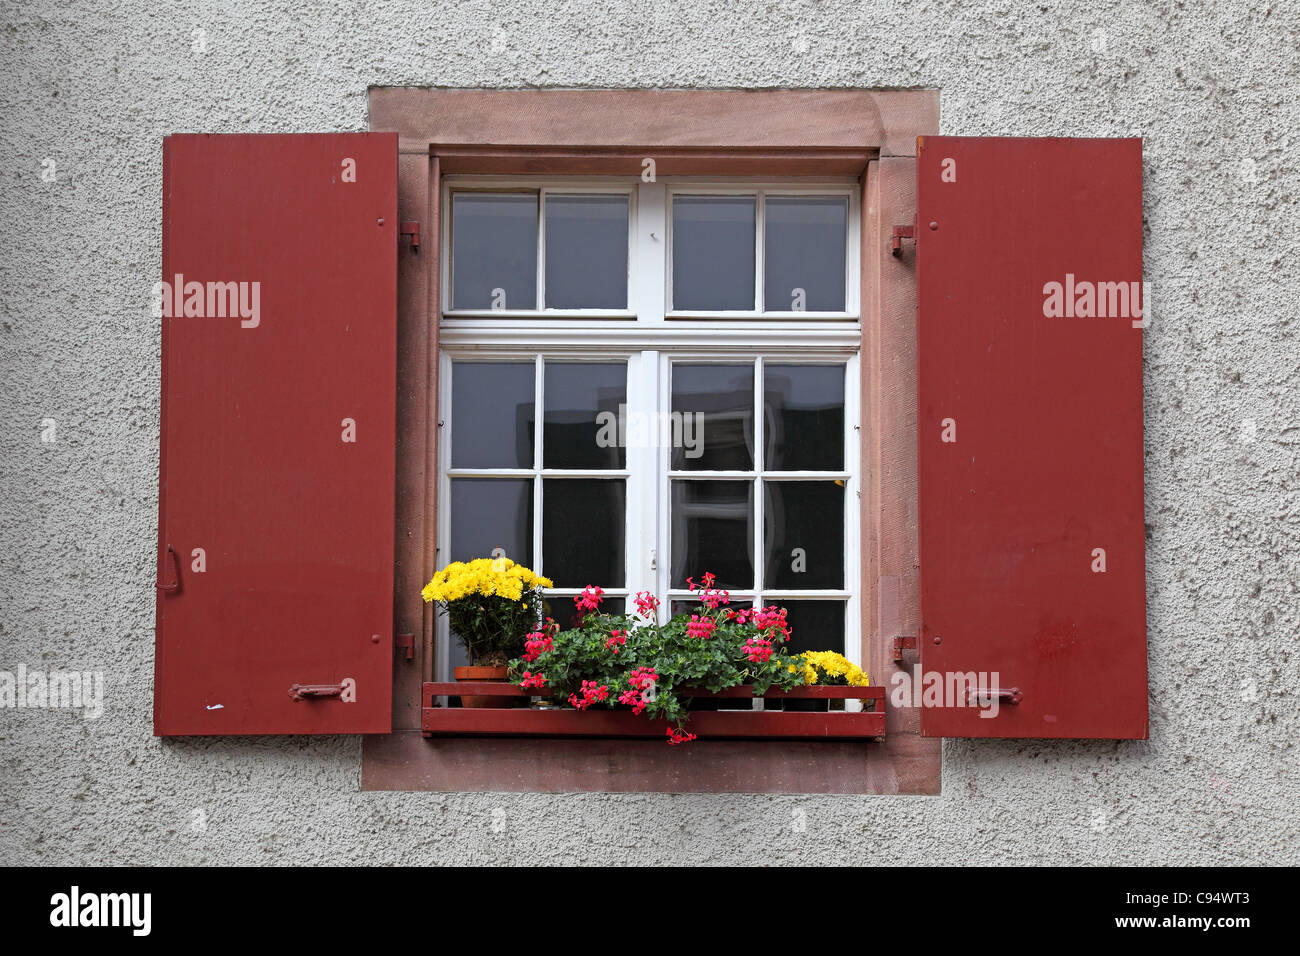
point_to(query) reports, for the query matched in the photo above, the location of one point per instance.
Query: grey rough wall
(96, 85)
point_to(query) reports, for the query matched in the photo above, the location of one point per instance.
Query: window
(540, 488)
(539, 250)
(721, 438)
(747, 503)
(617, 248)
(1006, 585)
(782, 251)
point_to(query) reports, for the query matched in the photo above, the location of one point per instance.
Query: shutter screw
(938, 641)
(374, 638)
(933, 225)
(380, 222)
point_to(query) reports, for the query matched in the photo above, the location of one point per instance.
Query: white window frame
(852, 259)
(650, 340)
(604, 186)
(758, 475)
(650, 256)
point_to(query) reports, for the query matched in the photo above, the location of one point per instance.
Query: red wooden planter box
(601, 722)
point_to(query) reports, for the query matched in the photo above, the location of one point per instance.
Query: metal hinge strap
(899, 234)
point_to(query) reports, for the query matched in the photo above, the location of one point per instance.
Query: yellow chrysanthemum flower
(832, 664)
(487, 576)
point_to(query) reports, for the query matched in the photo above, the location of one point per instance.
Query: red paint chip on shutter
(275, 564)
(1029, 268)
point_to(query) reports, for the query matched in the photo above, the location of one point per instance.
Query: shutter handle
(314, 691)
(1008, 695)
(175, 585)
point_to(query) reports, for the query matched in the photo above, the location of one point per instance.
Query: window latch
(412, 229)
(903, 644)
(315, 691)
(405, 643)
(654, 563)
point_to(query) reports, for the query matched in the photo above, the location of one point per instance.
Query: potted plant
(828, 668)
(631, 661)
(491, 605)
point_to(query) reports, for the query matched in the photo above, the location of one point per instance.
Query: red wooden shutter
(1030, 436)
(276, 495)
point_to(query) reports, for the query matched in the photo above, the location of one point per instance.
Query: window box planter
(467, 678)
(508, 721)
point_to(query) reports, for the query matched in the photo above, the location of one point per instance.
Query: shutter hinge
(903, 644)
(412, 229)
(900, 233)
(406, 644)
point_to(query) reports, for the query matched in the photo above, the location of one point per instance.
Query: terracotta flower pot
(496, 674)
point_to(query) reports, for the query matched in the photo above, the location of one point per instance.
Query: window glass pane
(494, 250)
(688, 606)
(586, 252)
(713, 253)
(803, 417)
(814, 625)
(561, 609)
(492, 414)
(491, 513)
(713, 417)
(580, 424)
(583, 525)
(804, 251)
(712, 530)
(803, 535)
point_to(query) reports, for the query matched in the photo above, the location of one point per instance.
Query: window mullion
(759, 444)
(640, 495)
(758, 476)
(539, 397)
(760, 218)
(648, 255)
(541, 250)
(663, 519)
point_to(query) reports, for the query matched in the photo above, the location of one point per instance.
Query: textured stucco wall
(95, 86)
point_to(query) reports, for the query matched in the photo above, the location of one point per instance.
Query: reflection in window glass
(804, 253)
(714, 405)
(580, 425)
(814, 625)
(803, 415)
(712, 530)
(713, 253)
(803, 534)
(687, 606)
(492, 414)
(584, 521)
(492, 513)
(586, 252)
(494, 250)
(561, 609)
